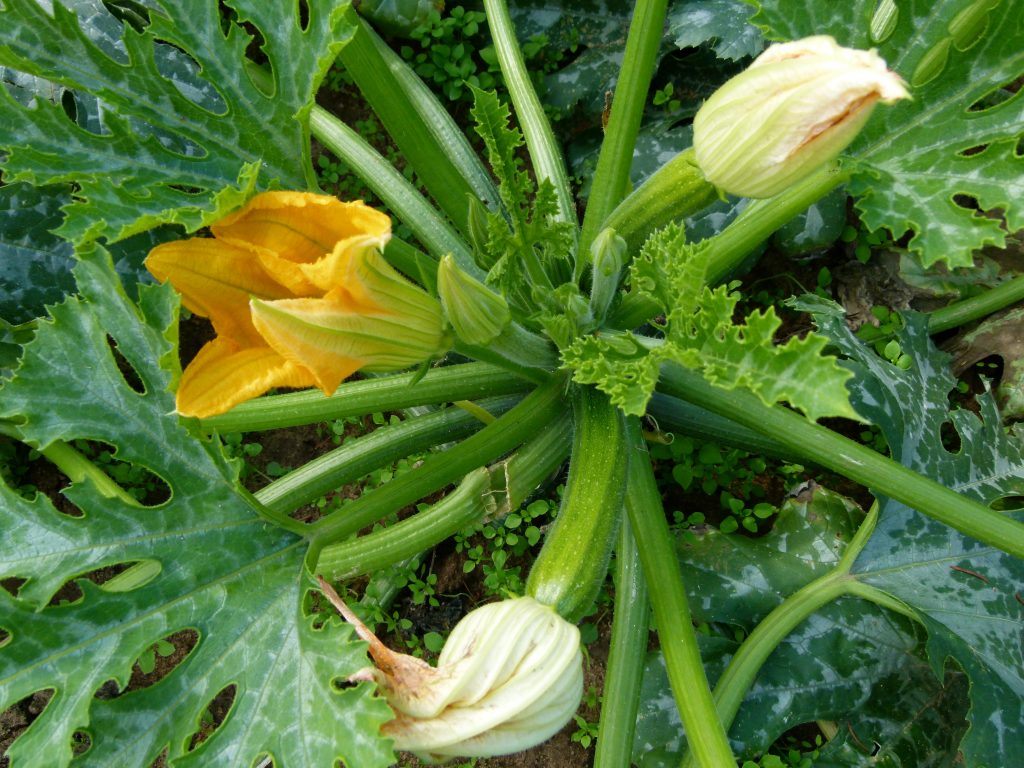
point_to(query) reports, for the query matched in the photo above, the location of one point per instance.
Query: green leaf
(909, 721)
(35, 265)
(224, 572)
(837, 664)
(398, 17)
(503, 141)
(921, 163)
(701, 335)
(185, 130)
(595, 30)
(723, 23)
(965, 593)
(527, 249)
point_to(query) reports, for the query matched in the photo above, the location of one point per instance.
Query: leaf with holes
(966, 593)
(208, 565)
(844, 663)
(35, 265)
(996, 336)
(176, 109)
(932, 165)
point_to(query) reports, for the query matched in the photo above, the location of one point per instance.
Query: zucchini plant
(516, 337)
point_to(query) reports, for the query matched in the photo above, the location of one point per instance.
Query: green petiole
(469, 381)
(626, 654)
(515, 427)
(482, 493)
(851, 459)
(358, 457)
(705, 733)
(611, 177)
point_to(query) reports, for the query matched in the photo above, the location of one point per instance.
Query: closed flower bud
(479, 232)
(477, 313)
(509, 676)
(609, 254)
(795, 108)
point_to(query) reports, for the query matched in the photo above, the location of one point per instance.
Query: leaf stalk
(705, 732)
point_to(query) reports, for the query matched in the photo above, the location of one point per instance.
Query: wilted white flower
(509, 677)
(796, 107)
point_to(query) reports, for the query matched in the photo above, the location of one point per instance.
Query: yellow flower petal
(225, 374)
(287, 229)
(216, 281)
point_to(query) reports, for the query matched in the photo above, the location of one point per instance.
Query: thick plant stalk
(540, 140)
(393, 188)
(762, 217)
(515, 427)
(730, 246)
(850, 459)
(704, 731)
(381, 447)
(628, 648)
(424, 131)
(469, 381)
(482, 493)
(962, 312)
(678, 416)
(611, 177)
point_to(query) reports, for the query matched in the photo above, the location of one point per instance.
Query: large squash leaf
(179, 129)
(929, 164)
(966, 593)
(35, 264)
(851, 662)
(223, 572)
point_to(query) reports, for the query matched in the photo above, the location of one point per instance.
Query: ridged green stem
(356, 458)
(850, 459)
(413, 263)
(528, 355)
(482, 493)
(730, 246)
(761, 218)
(962, 312)
(421, 127)
(611, 177)
(545, 154)
(468, 381)
(438, 470)
(704, 731)
(397, 192)
(469, 502)
(678, 416)
(626, 653)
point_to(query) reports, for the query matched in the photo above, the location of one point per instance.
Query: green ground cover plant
(557, 351)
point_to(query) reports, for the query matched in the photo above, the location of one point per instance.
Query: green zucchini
(572, 564)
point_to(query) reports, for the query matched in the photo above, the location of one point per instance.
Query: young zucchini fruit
(573, 562)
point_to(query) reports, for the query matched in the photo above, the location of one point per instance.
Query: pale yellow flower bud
(477, 313)
(509, 677)
(795, 108)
